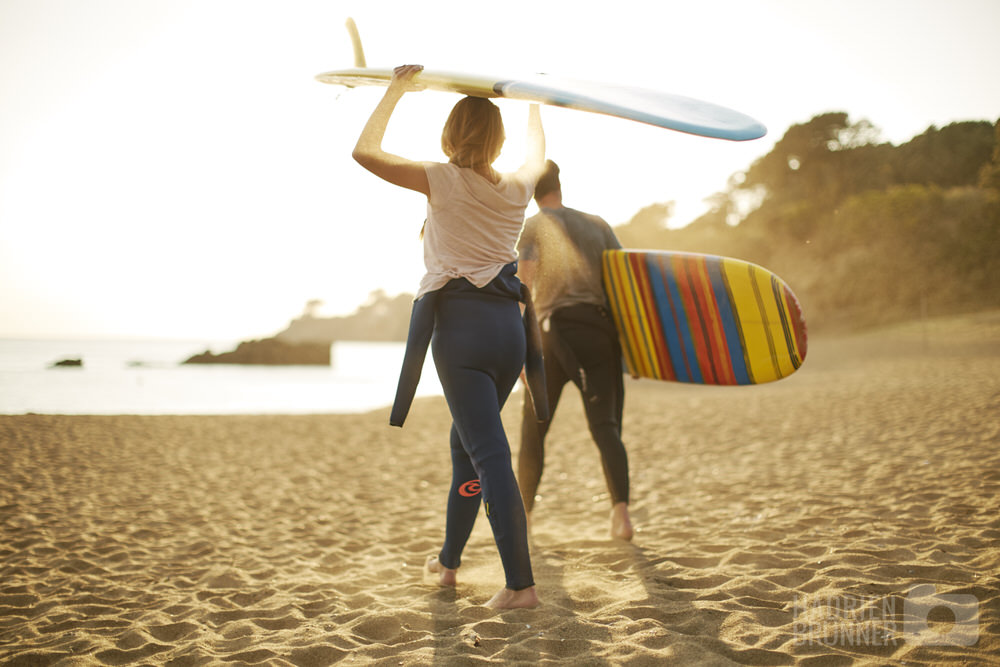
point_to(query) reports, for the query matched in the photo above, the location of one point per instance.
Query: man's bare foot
(509, 599)
(621, 524)
(446, 576)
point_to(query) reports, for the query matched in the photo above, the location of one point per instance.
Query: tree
(989, 175)
(812, 167)
(647, 228)
(950, 157)
(312, 306)
(789, 170)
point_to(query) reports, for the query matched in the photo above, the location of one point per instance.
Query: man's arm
(526, 269)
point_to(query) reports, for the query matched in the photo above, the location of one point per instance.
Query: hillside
(866, 233)
(381, 318)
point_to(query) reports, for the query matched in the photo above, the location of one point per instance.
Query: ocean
(148, 378)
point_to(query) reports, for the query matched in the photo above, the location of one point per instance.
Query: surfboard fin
(359, 53)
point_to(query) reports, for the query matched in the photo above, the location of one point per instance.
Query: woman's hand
(402, 77)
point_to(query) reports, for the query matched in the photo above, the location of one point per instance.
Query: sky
(172, 169)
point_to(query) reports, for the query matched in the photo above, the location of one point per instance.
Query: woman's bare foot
(509, 599)
(446, 575)
(621, 524)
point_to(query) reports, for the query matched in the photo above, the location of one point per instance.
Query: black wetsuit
(579, 342)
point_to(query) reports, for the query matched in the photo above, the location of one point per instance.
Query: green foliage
(646, 227)
(950, 157)
(865, 232)
(901, 212)
(989, 176)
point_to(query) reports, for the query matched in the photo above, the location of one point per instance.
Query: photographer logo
(940, 619)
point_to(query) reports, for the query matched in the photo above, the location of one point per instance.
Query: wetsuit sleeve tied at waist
(419, 337)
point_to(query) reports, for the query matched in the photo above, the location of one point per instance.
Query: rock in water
(269, 351)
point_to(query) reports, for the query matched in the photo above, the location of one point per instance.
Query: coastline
(786, 523)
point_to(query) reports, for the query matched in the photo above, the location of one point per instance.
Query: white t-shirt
(472, 225)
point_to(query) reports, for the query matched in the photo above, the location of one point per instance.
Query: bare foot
(621, 524)
(446, 576)
(508, 599)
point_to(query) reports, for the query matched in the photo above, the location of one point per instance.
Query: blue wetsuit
(478, 348)
(479, 343)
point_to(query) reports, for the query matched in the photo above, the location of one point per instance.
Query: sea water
(148, 378)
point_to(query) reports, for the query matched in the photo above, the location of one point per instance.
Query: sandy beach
(849, 514)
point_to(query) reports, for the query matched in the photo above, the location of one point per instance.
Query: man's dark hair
(549, 180)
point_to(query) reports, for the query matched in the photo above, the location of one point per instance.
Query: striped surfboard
(686, 317)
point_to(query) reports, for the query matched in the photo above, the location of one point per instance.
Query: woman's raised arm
(368, 151)
(535, 158)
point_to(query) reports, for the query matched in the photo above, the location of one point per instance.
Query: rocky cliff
(269, 351)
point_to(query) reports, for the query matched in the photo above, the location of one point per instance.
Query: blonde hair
(473, 134)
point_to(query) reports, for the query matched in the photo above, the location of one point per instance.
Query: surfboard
(674, 112)
(703, 319)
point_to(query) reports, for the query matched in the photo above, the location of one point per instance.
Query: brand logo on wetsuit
(470, 488)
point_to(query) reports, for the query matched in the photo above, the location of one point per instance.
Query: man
(560, 261)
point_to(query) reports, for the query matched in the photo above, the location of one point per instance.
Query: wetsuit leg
(531, 457)
(478, 348)
(463, 504)
(602, 388)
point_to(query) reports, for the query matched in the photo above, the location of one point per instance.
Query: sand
(849, 514)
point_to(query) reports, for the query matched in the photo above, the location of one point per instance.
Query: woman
(469, 300)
